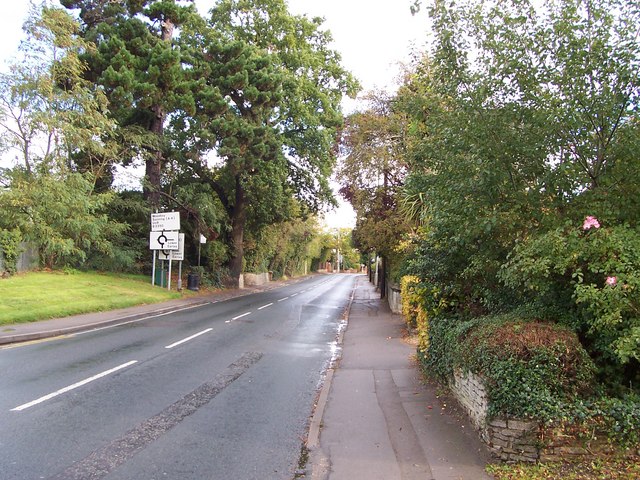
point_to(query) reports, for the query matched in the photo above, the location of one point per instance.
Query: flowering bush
(593, 273)
(590, 222)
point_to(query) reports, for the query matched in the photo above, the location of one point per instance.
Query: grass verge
(595, 469)
(42, 295)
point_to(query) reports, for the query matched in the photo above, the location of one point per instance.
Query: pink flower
(590, 222)
(612, 281)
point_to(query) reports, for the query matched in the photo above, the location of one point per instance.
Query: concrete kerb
(112, 318)
(109, 322)
(315, 426)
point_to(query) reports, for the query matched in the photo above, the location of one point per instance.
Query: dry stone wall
(517, 440)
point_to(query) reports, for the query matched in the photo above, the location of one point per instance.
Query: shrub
(420, 302)
(410, 300)
(591, 271)
(531, 369)
(10, 248)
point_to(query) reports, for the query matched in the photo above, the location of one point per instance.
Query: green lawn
(40, 295)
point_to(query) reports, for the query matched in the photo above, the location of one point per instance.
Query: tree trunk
(153, 167)
(153, 170)
(238, 221)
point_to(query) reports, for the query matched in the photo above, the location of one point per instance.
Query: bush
(531, 369)
(420, 302)
(593, 273)
(10, 249)
(410, 300)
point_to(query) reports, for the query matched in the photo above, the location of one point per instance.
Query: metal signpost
(174, 255)
(165, 241)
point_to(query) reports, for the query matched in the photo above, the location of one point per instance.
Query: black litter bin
(193, 282)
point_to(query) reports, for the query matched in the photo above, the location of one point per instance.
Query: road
(218, 391)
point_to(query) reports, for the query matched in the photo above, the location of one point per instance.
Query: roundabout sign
(167, 242)
(164, 240)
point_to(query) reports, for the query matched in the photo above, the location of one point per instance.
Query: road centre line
(73, 387)
(184, 340)
(283, 299)
(239, 316)
(265, 306)
(294, 294)
(144, 318)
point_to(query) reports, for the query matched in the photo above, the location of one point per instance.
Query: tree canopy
(267, 91)
(234, 116)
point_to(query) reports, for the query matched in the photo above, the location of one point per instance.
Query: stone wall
(512, 440)
(469, 390)
(394, 297)
(256, 279)
(516, 440)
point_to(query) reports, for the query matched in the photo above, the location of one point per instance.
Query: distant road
(219, 391)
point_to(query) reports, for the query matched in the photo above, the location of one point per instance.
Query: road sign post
(166, 241)
(165, 221)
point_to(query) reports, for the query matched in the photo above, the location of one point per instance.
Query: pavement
(377, 418)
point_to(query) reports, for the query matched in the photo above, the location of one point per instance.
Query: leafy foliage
(372, 172)
(511, 147)
(531, 369)
(594, 273)
(10, 248)
(134, 62)
(267, 89)
(282, 248)
(51, 113)
(61, 216)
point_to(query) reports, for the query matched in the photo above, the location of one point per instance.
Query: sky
(373, 37)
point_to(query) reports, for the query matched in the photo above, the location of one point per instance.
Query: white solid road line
(180, 342)
(265, 306)
(72, 387)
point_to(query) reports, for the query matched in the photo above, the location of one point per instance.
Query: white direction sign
(163, 240)
(165, 221)
(173, 254)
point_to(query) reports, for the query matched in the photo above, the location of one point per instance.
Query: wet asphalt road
(220, 391)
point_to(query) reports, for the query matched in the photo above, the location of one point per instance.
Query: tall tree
(267, 91)
(50, 111)
(372, 171)
(140, 70)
